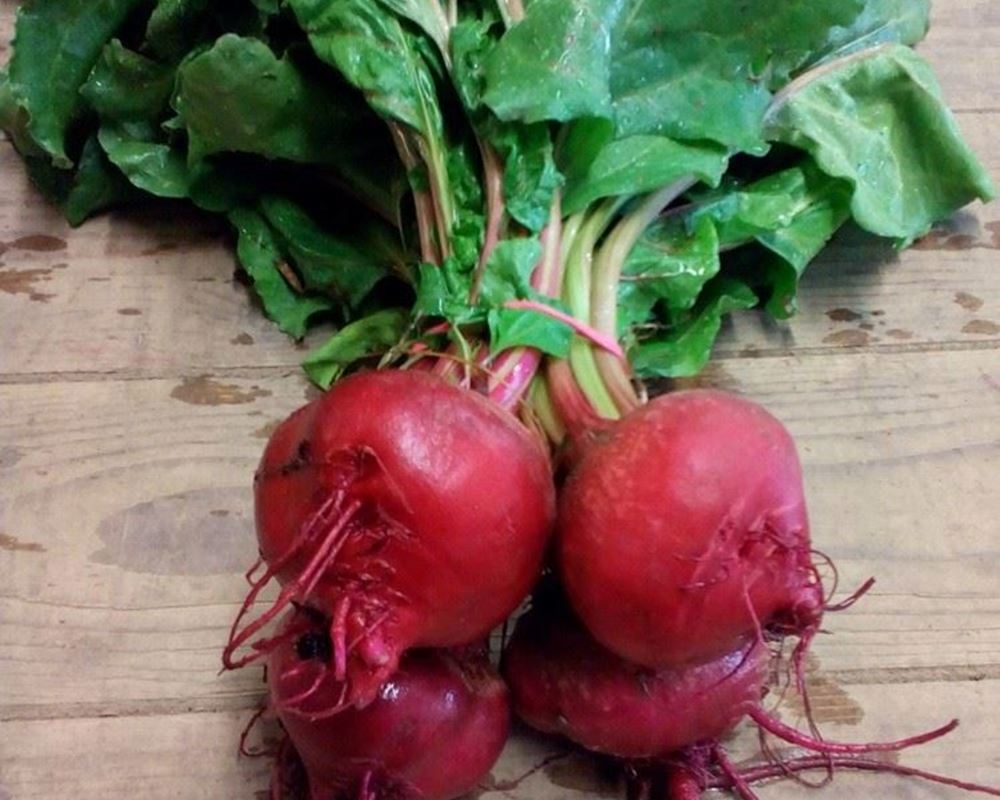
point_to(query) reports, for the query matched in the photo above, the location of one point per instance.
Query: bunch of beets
(406, 517)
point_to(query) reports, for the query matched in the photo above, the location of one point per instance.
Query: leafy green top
(452, 174)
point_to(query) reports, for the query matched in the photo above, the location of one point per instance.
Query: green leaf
(97, 185)
(471, 41)
(150, 165)
(511, 328)
(92, 186)
(428, 15)
(555, 64)
(508, 271)
(395, 69)
(530, 178)
(260, 252)
(268, 7)
(792, 214)
(669, 265)
(878, 122)
(176, 26)
(127, 86)
(240, 97)
(880, 22)
(687, 346)
(373, 51)
(14, 120)
(56, 44)
(639, 164)
(467, 197)
(685, 69)
(579, 144)
(433, 291)
(443, 291)
(690, 85)
(370, 336)
(347, 267)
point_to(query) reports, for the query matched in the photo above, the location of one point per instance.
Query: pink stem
(423, 203)
(792, 736)
(513, 372)
(338, 636)
(493, 179)
(516, 368)
(586, 331)
(575, 410)
(547, 277)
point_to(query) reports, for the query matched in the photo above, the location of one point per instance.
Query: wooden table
(138, 383)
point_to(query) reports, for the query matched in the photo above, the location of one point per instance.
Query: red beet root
(564, 682)
(413, 513)
(682, 532)
(672, 720)
(433, 731)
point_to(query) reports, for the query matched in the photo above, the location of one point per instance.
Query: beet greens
(450, 136)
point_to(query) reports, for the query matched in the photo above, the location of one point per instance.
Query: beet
(682, 532)
(410, 511)
(667, 724)
(433, 731)
(564, 682)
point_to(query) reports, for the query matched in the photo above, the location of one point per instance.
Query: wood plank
(193, 755)
(148, 291)
(964, 47)
(190, 756)
(861, 295)
(126, 525)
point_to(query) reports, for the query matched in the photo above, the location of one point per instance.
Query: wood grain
(157, 757)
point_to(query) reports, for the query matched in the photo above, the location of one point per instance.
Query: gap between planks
(249, 372)
(243, 701)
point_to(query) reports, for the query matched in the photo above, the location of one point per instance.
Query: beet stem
(319, 517)
(860, 592)
(793, 736)
(247, 730)
(309, 576)
(738, 782)
(765, 772)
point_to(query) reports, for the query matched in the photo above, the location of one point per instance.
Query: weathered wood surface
(138, 382)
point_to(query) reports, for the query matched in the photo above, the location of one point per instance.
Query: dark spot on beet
(314, 646)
